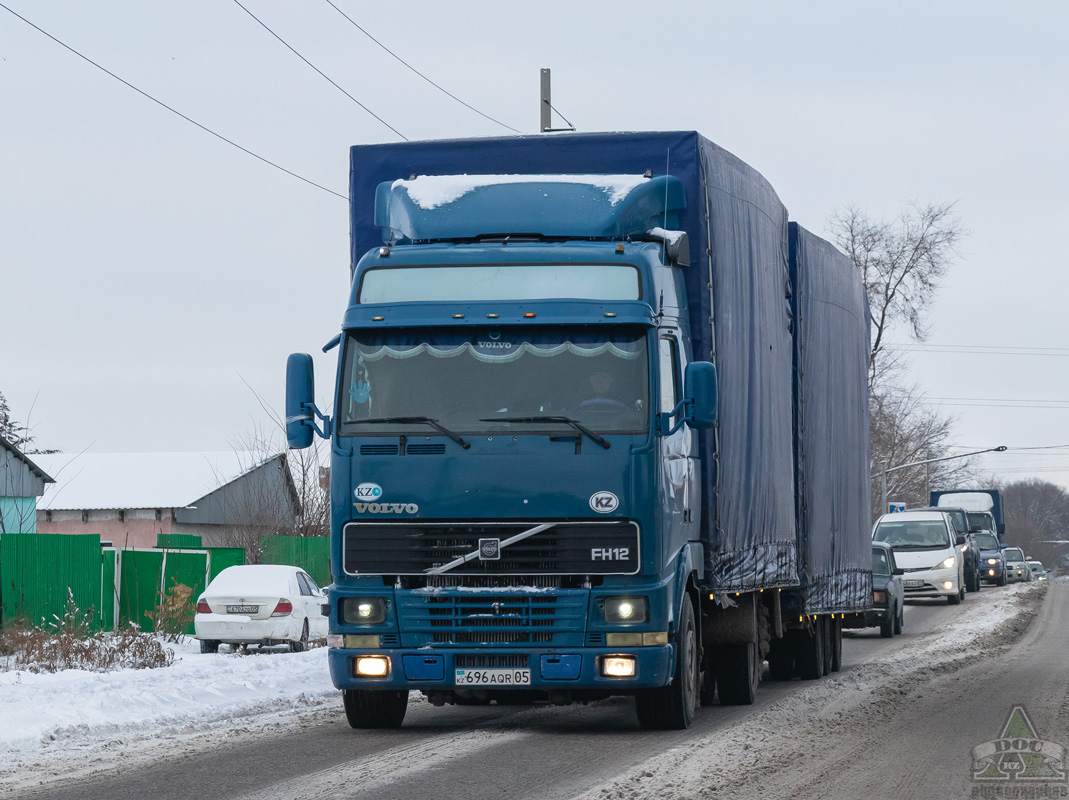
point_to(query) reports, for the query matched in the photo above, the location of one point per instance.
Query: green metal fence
(38, 572)
(310, 553)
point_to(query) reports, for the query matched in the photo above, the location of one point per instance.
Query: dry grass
(68, 642)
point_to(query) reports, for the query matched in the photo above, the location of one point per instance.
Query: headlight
(626, 609)
(992, 561)
(948, 563)
(363, 610)
(879, 598)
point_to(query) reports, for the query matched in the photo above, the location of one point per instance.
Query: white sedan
(263, 604)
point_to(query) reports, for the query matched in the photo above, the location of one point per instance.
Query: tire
(900, 619)
(209, 646)
(301, 644)
(672, 707)
(374, 709)
(972, 581)
(887, 629)
(738, 673)
(954, 599)
(836, 645)
(825, 623)
(961, 592)
(1002, 580)
(809, 653)
(780, 660)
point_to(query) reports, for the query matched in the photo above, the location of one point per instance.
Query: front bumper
(566, 669)
(931, 583)
(992, 573)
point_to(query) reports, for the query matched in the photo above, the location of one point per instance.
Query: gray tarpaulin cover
(738, 234)
(831, 424)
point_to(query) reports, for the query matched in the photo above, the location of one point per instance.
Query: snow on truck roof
(432, 191)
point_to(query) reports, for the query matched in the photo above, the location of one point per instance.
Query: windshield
(913, 534)
(879, 562)
(981, 520)
(595, 376)
(1013, 554)
(986, 541)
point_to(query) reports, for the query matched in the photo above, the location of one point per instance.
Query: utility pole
(886, 469)
(545, 107)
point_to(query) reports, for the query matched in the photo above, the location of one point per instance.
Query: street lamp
(883, 473)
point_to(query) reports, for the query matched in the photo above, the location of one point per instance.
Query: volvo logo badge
(490, 549)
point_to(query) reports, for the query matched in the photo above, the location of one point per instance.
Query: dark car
(971, 554)
(993, 564)
(888, 597)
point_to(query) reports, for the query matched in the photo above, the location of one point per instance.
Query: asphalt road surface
(907, 740)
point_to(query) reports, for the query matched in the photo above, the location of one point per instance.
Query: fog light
(372, 666)
(618, 666)
(948, 584)
(991, 572)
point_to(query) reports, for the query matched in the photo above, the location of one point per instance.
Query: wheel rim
(690, 680)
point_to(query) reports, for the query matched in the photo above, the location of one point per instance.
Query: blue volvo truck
(599, 428)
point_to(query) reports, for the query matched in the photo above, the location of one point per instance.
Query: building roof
(140, 480)
(36, 470)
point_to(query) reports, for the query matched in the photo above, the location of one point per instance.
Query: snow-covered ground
(74, 722)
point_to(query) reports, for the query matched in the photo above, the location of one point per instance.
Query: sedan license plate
(242, 609)
(493, 677)
(912, 584)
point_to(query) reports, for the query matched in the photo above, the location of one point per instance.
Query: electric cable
(428, 80)
(317, 69)
(172, 110)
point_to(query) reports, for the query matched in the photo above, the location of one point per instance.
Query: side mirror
(959, 539)
(300, 388)
(699, 386)
(1001, 528)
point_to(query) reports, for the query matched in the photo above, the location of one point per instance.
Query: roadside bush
(173, 614)
(69, 643)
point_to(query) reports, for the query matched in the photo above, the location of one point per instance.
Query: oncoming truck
(600, 428)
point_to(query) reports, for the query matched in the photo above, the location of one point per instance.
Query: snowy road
(904, 713)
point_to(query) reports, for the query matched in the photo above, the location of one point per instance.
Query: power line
(428, 80)
(172, 110)
(317, 69)
(976, 349)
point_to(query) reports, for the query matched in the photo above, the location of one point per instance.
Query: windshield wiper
(415, 421)
(566, 420)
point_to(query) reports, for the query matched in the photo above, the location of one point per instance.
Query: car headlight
(626, 609)
(948, 563)
(992, 561)
(363, 610)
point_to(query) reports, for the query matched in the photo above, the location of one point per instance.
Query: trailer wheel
(780, 660)
(836, 645)
(672, 707)
(374, 709)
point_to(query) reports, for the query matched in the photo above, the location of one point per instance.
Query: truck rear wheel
(672, 707)
(836, 627)
(374, 709)
(809, 652)
(780, 660)
(738, 673)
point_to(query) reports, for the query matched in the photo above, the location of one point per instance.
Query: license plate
(493, 677)
(913, 584)
(242, 609)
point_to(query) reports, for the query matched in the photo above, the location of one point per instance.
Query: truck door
(677, 466)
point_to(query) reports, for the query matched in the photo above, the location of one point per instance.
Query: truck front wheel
(374, 709)
(672, 707)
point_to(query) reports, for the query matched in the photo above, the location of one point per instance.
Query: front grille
(511, 661)
(425, 449)
(476, 617)
(564, 548)
(379, 450)
(493, 581)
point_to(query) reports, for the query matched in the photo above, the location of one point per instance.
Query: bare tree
(1037, 517)
(902, 264)
(17, 433)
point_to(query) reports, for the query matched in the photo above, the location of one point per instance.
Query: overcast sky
(153, 278)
